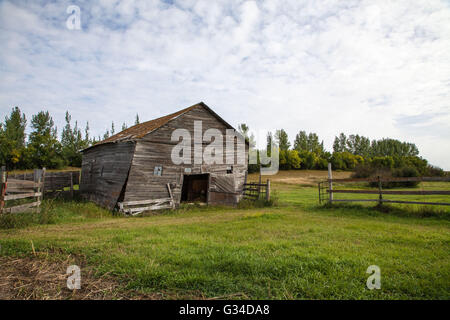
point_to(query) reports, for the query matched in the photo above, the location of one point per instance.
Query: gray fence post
(2, 187)
(37, 178)
(71, 185)
(259, 186)
(380, 198)
(330, 182)
(43, 183)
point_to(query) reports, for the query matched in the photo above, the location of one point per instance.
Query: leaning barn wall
(104, 172)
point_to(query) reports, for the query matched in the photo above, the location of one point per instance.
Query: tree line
(349, 152)
(43, 147)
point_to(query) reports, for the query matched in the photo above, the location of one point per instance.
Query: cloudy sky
(377, 68)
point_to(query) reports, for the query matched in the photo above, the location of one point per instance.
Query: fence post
(37, 177)
(380, 199)
(330, 182)
(2, 187)
(43, 183)
(268, 190)
(259, 186)
(71, 185)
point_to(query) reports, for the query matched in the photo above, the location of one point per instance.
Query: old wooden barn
(134, 170)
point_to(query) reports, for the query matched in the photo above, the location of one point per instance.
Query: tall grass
(52, 212)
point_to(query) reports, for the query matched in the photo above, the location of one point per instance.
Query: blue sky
(377, 68)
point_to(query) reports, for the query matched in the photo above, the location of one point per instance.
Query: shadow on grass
(407, 211)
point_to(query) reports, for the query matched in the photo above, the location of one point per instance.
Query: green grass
(294, 250)
(54, 212)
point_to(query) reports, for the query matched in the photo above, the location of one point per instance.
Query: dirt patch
(38, 277)
(301, 177)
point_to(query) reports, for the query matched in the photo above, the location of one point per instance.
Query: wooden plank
(38, 173)
(400, 192)
(19, 190)
(251, 189)
(44, 172)
(330, 182)
(252, 195)
(22, 207)
(355, 200)
(22, 196)
(255, 184)
(148, 201)
(148, 208)
(3, 185)
(171, 196)
(71, 185)
(259, 184)
(13, 183)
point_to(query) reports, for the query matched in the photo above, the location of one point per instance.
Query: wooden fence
(17, 190)
(256, 191)
(327, 190)
(54, 182)
(20, 195)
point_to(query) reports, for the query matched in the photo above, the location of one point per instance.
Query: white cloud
(322, 66)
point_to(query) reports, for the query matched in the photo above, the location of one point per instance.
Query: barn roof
(140, 130)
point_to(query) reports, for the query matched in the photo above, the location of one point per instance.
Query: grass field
(295, 249)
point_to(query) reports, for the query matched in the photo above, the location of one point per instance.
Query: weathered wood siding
(104, 172)
(155, 150)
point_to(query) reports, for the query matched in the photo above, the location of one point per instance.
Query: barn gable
(138, 131)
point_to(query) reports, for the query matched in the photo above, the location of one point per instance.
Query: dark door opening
(195, 188)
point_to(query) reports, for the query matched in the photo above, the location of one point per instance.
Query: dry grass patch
(301, 177)
(38, 277)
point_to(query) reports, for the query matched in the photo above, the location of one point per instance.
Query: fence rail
(394, 179)
(327, 191)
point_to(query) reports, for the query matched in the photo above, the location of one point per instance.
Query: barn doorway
(195, 188)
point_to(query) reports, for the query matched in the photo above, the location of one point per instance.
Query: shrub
(364, 171)
(433, 171)
(322, 164)
(382, 162)
(368, 171)
(405, 172)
